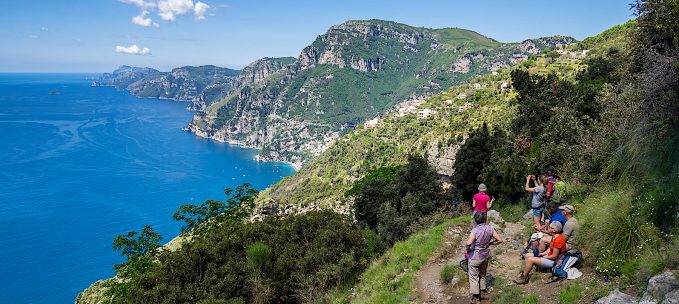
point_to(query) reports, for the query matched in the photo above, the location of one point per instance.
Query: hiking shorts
(538, 212)
(546, 263)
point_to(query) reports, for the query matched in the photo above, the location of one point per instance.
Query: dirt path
(505, 265)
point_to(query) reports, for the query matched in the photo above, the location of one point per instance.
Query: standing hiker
(481, 201)
(538, 199)
(481, 237)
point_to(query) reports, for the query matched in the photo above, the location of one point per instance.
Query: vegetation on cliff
(603, 114)
(354, 72)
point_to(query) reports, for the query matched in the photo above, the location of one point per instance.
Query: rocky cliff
(202, 85)
(355, 71)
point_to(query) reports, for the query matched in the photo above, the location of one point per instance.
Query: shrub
(447, 273)
(531, 299)
(394, 207)
(571, 294)
(289, 259)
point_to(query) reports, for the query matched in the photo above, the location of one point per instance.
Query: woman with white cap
(481, 202)
(546, 259)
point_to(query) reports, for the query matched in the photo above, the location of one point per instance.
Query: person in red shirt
(547, 258)
(481, 202)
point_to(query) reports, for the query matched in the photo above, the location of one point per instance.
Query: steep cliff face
(356, 71)
(124, 76)
(184, 83)
(202, 85)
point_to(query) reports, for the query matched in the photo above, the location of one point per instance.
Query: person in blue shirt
(555, 216)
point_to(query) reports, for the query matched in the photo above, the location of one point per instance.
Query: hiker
(551, 181)
(481, 202)
(481, 237)
(570, 225)
(555, 214)
(546, 259)
(563, 214)
(537, 201)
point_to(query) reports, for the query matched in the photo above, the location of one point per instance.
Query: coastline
(200, 133)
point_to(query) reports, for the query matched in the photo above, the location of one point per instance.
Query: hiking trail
(504, 267)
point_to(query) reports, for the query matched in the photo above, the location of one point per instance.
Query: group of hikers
(548, 248)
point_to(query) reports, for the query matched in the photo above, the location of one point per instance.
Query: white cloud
(33, 36)
(133, 50)
(200, 9)
(143, 21)
(167, 10)
(140, 3)
(170, 9)
(44, 29)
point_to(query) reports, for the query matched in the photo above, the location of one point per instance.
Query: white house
(426, 113)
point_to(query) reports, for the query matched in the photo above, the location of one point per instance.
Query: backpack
(559, 191)
(567, 261)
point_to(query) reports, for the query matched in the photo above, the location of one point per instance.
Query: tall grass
(571, 294)
(612, 231)
(390, 279)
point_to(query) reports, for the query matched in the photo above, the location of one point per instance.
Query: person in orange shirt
(557, 247)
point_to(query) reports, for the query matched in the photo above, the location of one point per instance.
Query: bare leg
(536, 221)
(529, 265)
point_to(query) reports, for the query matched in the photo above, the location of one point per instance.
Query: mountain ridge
(354, 72)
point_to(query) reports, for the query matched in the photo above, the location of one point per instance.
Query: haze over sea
(80, 165)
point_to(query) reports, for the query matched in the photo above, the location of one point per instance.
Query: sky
(100, 35)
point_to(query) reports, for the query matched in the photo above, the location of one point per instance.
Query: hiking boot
(522, 280)
(475, 299)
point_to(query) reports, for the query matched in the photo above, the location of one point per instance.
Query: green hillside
(358, 222)
(354, 72)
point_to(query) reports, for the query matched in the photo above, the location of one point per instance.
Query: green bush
(571, 294)
(617, 237)
(448, 273)
(531, 299)
(394, 207)
(290, 259)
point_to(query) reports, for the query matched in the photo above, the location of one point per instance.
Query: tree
(139, 248)
(236, 206)
(473, 155)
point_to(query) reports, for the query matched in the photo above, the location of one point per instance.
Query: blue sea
(80, 165)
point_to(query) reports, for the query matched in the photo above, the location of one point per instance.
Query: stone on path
(494, 216)
(659, 286)
(617, 297)
(672, 297)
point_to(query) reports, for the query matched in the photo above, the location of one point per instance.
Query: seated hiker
(481, 237)
(570, 225)
(537, 200)
(547, 258)
(481, 202)
(555, 214)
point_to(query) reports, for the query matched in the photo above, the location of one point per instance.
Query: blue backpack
(567, 261)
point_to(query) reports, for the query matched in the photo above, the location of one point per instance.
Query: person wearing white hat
(557, 247)
(481, 202)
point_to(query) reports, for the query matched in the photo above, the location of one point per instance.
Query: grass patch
(513, 212)
(616, 238)
(571, 294)
(597, 289)
(531, 299)
(390, 278)
(447, 273)
(510, 294)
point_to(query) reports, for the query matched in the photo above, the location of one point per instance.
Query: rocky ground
(504, 267)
